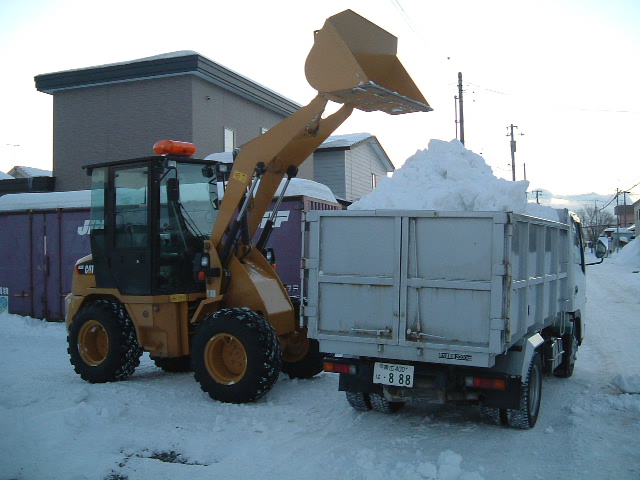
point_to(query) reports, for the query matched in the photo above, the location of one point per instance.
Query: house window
(374, 181)
(229, 139)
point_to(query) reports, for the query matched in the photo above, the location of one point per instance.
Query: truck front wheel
(235, 356)
(530, 396)
(570, 346)
(102, 343)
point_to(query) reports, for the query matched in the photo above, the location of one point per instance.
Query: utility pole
(460, 109)
(537, 193)
(618, 222)
(513, 151)
(14, 151)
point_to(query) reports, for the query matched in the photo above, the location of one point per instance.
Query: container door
(15, 264)
(453, 275)
(354, 270)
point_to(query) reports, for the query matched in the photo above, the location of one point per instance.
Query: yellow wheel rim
(93, 343)
(225, 358)
(296, 348)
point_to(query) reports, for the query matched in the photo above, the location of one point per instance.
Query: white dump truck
(462, 307)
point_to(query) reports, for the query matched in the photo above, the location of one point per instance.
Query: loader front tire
(235, 355)
(102, 343)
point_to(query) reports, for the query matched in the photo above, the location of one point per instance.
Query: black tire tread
(173, 364)
(570, 346)
(359, 401)
(124, 350)
(520, 418)
(380, 404)
(264, 346)
(308, 366)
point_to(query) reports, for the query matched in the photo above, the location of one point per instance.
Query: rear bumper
(435, 383)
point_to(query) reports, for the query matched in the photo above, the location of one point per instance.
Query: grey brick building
(118, 111)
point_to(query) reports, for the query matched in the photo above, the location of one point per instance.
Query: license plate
(393, 374)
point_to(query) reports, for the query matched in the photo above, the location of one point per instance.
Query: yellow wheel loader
(175, 271)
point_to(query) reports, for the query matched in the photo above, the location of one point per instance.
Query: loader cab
(153, 215)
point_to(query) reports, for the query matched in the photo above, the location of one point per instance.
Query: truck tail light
(171, 147)
(490, 383)
(339, 368)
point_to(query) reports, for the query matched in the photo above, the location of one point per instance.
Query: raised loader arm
(352, 62)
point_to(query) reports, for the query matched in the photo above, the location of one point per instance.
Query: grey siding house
(118, 111)
(351, 165)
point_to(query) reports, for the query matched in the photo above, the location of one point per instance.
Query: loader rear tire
(235, 355)
(309, 365)
(174, 364)
(531, 394)
(359, 401)
(102, 343)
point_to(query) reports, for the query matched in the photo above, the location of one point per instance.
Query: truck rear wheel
(359, 401)
(531, 394)
(380, 404)
(494, 416)
(102, 343)
(236, 356)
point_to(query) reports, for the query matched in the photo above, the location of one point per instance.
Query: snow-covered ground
(157, 425)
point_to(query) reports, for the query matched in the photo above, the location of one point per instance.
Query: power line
(407, 19)
(579, 109)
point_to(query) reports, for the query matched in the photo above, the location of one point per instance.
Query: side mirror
(601, 252)
(173, 190)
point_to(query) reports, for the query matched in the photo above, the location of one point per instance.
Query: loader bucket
(353, 61)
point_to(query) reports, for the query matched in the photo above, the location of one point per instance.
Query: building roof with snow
(353, 140)
(5, 176)
(28, 172)
(184, 62)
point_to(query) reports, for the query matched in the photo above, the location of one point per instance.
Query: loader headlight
(204, 261)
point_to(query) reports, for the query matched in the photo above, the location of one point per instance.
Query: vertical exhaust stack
(353, 61)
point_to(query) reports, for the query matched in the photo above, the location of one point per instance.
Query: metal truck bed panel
(447, 287)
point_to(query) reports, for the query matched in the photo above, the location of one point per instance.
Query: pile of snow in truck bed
(447, 176)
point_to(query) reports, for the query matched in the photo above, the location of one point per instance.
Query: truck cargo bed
(444, 287)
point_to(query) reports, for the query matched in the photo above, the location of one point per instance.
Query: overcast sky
(564, 71)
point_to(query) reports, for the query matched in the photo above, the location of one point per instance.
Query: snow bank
(82, 198)
(45, 200)
(447, 176)
(627, 383)
(629, 256)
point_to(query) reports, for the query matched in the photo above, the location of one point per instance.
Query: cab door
(130, 256)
